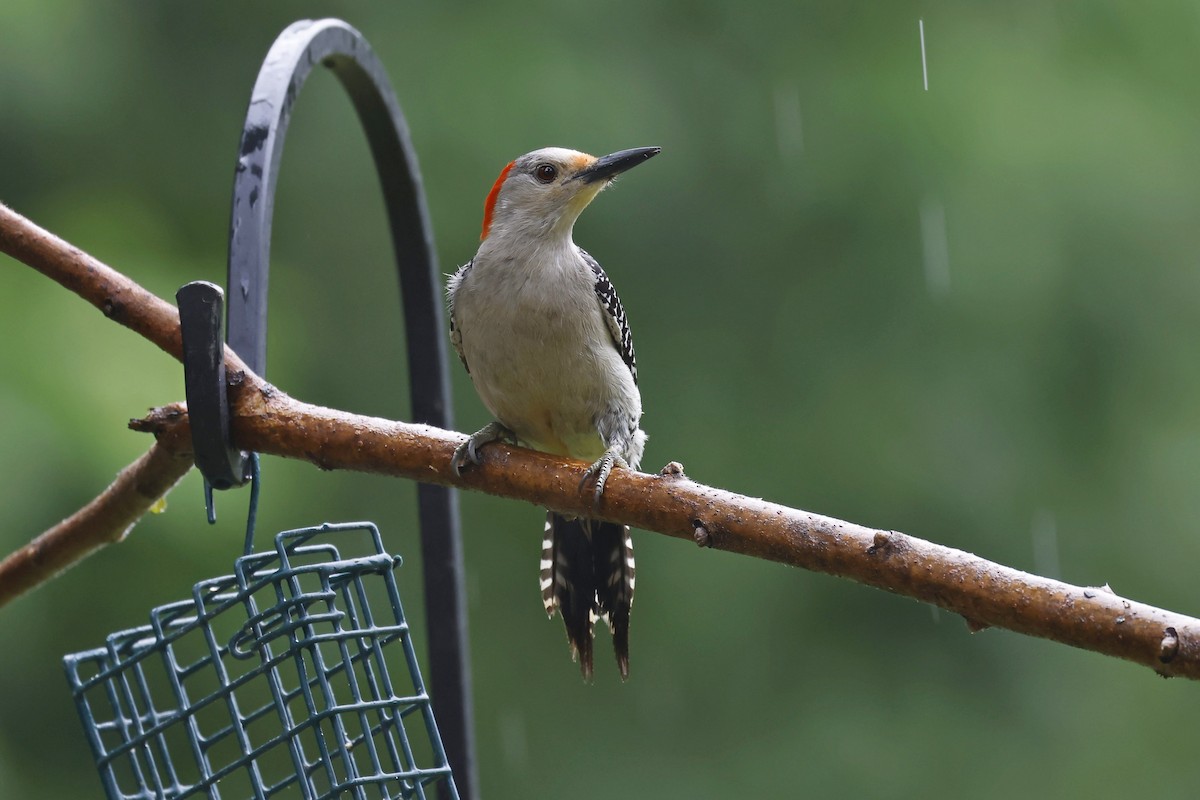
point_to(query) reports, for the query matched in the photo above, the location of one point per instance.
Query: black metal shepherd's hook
(343, 50)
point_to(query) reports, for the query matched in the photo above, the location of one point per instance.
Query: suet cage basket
(295, 676)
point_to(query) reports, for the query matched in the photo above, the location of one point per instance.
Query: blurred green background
(967, 313)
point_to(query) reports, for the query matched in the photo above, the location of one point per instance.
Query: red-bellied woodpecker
(545, 340)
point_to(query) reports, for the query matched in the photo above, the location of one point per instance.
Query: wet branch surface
(986, 594)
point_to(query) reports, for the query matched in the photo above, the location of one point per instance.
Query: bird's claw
(468, 451)
(599, 472)
(462, 454)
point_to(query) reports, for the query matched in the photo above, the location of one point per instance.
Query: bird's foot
(468, 451)
(598, 474)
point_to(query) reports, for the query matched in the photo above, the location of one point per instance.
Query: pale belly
(549, 381)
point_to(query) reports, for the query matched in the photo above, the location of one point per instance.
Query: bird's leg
(599, 471)
(469, 450)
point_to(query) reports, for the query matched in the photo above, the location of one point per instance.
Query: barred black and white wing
(614, 314)
(451, 290)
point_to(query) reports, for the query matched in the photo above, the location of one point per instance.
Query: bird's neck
(533, 245)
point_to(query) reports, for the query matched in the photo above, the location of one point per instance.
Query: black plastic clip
(201, 307)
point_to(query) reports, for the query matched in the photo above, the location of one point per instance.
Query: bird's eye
(545, 173)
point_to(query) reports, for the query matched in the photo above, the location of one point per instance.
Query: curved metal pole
(342, 49)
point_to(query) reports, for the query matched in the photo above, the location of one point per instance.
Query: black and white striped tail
(588, 574)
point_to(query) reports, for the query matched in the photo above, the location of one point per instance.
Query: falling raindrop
(924, 66)
(514, 740)
(1044, 532)
(935, 247)
(789, 127)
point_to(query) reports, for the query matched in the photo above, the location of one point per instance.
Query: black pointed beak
(613, 164)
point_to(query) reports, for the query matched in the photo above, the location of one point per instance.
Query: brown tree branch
(986, 594)
(104, 520)
(118, 298)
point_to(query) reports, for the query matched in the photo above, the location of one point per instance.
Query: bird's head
(546, 190)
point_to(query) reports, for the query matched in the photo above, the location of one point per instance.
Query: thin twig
(266, 420)
(105, 520)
